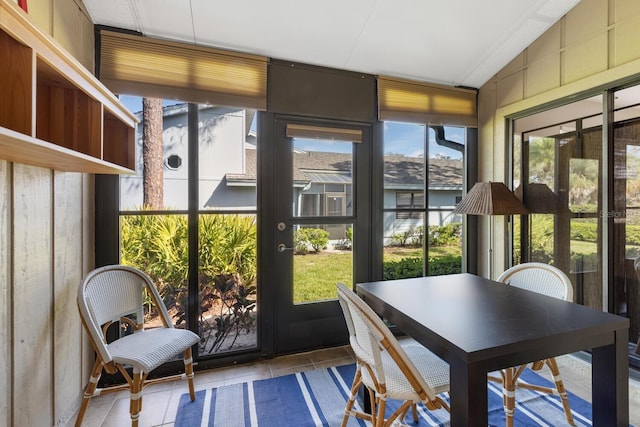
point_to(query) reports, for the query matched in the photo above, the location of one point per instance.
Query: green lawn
(315, 275)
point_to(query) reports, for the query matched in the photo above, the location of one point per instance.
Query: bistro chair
(547, 280)
(409, 373)
(110, 295)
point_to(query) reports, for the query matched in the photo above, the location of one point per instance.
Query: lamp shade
(490, 198)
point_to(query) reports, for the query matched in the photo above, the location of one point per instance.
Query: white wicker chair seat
(150, 348)
(115, 294)
(412, 374)
(547, 280)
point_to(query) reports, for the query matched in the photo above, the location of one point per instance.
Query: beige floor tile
(238, 371)
(324, 355)
(174, 401)
(154, 408)
(251, 376)
(160, 402)
(347, 360)
(292, 360)
(280, 370)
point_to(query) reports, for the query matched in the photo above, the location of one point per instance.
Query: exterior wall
(46, 246)
(595, 44)
(222, 137)
(439, 198)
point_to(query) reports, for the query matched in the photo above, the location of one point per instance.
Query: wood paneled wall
(46, 247)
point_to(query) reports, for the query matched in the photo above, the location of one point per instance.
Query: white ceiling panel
(321, 33)
(115, 13)
(456, 42)
(167, 19)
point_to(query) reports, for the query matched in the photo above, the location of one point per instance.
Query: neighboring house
(322, 180)
(224, 136)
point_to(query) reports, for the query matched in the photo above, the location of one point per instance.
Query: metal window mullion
(192, 217)
(425, 199)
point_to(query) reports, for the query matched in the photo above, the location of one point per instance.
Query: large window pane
(626, 212)
(227, 158)
(161, 151)
(157, 245)
(559, 155)
(320, 262)
(322, 178)
(404, 207)
(445, 177)
(227, 286)
(155, 228)
(423, 174)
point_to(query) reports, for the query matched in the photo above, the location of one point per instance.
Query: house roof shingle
(399, 170)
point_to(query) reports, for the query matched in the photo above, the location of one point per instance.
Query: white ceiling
(453, 42)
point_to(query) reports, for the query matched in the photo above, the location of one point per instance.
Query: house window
(409, 200)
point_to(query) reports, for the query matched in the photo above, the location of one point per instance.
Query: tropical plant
(158, 244)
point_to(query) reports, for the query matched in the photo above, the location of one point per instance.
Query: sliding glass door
(579, 175)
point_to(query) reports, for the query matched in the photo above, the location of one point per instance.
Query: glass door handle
(282, 247)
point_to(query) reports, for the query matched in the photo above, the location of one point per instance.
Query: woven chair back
(111, 292)
(541, 278)
(370, 336)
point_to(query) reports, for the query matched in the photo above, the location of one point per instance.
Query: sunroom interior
(359, 146)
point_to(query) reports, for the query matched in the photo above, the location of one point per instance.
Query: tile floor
(161, 400)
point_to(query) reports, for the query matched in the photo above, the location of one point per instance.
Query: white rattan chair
(409, 373)
(551, 281)
(111, 294)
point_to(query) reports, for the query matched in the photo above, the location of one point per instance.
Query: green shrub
(412, 267)
(633, 234)
(345, 244)
(584, 231)
(402, 269)
(445, 235)
(448, 264)
(158, 245)
(402, 238)
(314, 237)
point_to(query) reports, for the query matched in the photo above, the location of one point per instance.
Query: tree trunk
(152, 153)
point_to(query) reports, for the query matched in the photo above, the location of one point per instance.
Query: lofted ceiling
(453, 42)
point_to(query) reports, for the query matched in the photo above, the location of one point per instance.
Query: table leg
(363, 399)
(468, 395)
(610, 382)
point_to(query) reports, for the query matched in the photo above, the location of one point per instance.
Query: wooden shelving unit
(53, 112)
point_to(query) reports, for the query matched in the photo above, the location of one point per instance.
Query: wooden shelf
(53, 112)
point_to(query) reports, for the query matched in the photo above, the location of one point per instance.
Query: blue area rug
(317, 398)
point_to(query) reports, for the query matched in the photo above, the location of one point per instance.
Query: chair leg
(135, 405)
(509, 395)
(381, 407)
(89, 390)
(352, 398)
(555, 372)
(188, 370)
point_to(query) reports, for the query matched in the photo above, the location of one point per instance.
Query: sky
(399, 138)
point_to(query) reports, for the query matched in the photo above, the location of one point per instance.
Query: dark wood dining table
(478, 325)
